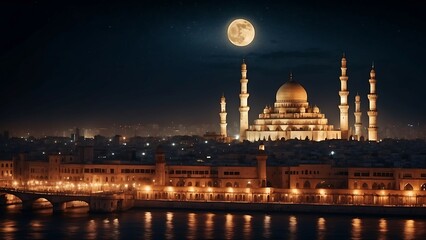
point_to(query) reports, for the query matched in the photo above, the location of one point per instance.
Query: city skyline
(99, 64)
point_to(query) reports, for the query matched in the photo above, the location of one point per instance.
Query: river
(176, 224)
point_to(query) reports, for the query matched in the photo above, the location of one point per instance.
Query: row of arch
(365, 186)
(182, 183)
(389, 186)
(322, 184)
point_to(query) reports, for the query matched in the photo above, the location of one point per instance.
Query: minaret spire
(372, 113)
(358, 113)
(343, 93)
(222, 114)
(244, 108)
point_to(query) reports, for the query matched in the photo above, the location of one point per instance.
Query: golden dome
(292, 91)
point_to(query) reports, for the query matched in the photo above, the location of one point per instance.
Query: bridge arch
(40, 202)
(9, 198)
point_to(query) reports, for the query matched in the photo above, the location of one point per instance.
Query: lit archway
(408, 187)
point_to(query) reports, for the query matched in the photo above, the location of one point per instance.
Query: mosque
(291, 116)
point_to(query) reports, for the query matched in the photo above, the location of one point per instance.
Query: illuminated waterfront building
(257, 182)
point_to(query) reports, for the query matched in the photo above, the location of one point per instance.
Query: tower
(160, 167)
(344, 107)
(222, 115)
(358, 113)
(372, 113)
(261, 166)
(244, 108)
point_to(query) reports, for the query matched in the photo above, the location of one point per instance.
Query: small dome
(316, 109)
(292, 91)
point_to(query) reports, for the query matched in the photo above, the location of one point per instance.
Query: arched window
(216, 184)
(423, 187)
(189, 184)
(180, 183)
(307, 184)
(228, 184)
(324, 184)
(364, 186)
(408, 187)
(382, 186)
(375, 186)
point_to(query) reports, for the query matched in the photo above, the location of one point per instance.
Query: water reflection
(267, 226)
(169, 225)
(409, 229)
(192, 226)
(383, 228)
(247, 226)
(321, 228)
(292, 226)
(148, 225)
(161, 224)
(356, 228)
(209, 226)
(116, 227)
(37, 229)
(91, 230)
(8, 227)
(229, 226)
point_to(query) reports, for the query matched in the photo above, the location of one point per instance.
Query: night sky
(104, 62)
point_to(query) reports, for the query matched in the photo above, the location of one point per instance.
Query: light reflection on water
(91, 229)
(409, 229)
(383, 228)
(321, 229)
(356, 228)
(247, 226)
(267, 226)
(162, 224)
(192, 226)
(148, 225)
(229, 226)
(209, 226)
(169, 225)
(292, 226)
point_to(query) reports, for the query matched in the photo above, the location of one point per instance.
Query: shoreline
(365, 210)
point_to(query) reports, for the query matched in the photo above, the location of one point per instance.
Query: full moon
(240, 32)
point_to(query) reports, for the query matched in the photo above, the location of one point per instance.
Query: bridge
(98, 202)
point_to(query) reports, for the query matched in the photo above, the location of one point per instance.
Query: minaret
(358, 113)
(372, 113)
(222, 115)
(244, 108)
(261, 166)
(344, 107)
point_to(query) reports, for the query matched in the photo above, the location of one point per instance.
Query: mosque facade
(292, 117)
